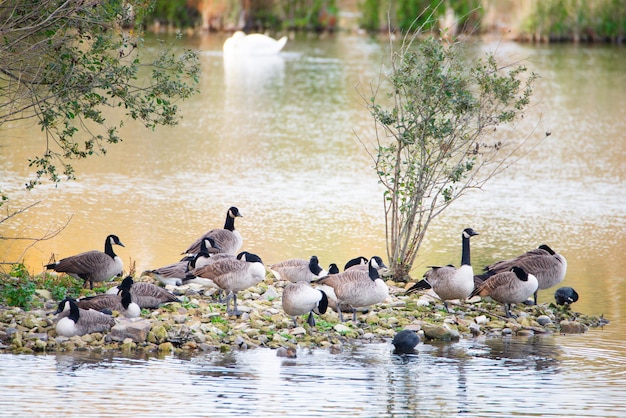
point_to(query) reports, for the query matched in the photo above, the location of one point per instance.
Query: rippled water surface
(530, 376)
(276, 138)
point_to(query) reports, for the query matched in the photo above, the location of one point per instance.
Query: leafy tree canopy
(63, 63)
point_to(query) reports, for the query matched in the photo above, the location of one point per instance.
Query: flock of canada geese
(214, 261)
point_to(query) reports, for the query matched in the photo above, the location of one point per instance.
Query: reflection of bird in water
(565, 296)
(255, 44)
(405, 342)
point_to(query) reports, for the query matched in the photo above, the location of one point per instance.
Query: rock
(474, 329)
(270, 294)
(298, 331)
(335, 349)
(289, 352)
(439, 332)
(572, 327)
(137, 331)
(341, 328)
(544, 320)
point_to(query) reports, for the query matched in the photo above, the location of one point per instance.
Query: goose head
(520, 273)
(315, 268)
(378, 262)
(208, 245)
(322, 305)
(356, 261)
(249, 257)
(373, 271)
(333, 269)
(114, 240)
(233, 212)
(546, 248)
(469, 232)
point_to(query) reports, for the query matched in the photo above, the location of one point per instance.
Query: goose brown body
(545, 264)
(227, 240)
(93, 266)
(298, 270)
(72, 320)
(507, 287)
(233, 274)
(357, 288)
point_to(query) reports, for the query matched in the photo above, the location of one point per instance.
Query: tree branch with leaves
(64, 63)
(436, 116)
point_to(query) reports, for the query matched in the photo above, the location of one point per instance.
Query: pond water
(276, 138)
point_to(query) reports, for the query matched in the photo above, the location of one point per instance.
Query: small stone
(335, 349)
(289, 352)
(481, 320)
(507, 331)
(341, 328)
(298, 331)
(572, 327)
(270, 294)
(544, 320)
(437, 332)
(168, 346)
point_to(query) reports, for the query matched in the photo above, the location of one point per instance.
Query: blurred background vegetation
(529, 20)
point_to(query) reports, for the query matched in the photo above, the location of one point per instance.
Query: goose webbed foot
(234, 311)
(507, 311)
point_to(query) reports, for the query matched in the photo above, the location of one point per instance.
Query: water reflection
(501, 376)
(250, 75)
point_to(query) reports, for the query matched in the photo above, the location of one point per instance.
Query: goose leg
(295, 322)
(507, 311)
(310, 320)
(235, 310)
(354, 315)
(445, 305)
(339, 310)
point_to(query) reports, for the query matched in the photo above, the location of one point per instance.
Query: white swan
(253, 44)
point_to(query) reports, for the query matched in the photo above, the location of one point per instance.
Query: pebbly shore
(199, 323)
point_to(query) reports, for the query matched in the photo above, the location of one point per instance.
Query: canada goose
(449, 282)
(363, 265)
(208, 249)
(357, 288)
(233, 275)
(357, 261)
(546, 265)
(298, 270)
(121, 302)
(75, 321)
(300, 298)
(228, 239)
(146, 295)
(565, 296)
(93, 266)
(254, 44)
(174, 274)
(404, 342)
(507, 287)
